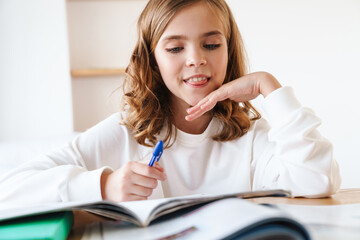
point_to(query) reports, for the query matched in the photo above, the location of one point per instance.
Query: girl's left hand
(243, 89)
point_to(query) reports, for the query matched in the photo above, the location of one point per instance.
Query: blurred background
(62, 61)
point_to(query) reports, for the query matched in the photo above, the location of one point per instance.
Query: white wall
(35, 93)
(94, 99)
(102, 34)
(313, 46)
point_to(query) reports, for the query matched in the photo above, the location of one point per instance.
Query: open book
(140, 213)
(230, 218)
(198, 217)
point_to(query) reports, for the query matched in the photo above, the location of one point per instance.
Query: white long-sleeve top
(285, 152)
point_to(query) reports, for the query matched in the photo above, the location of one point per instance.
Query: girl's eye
(211, 46)
(174, 50)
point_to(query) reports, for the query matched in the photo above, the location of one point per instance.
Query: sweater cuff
(279, 105)
(86, 185)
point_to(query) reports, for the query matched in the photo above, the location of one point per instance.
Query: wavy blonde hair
(146, 98)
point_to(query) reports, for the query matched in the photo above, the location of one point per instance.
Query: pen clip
(158, 150)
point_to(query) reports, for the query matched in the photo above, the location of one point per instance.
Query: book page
(148, 210)
(144, 210)
(138, 212)
(212, 221)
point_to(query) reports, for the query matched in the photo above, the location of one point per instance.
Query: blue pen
(158, 150)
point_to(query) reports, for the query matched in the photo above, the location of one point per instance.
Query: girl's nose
(196, 59)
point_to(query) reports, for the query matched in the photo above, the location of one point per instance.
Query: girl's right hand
(133, 181)
(242, 89)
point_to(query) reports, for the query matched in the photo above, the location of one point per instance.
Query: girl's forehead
(196, 19)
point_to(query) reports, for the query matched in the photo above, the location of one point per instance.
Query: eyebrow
(183, 37)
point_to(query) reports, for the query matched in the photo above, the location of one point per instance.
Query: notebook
(45, 226)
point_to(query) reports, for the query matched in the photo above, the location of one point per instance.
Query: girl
(186, 84)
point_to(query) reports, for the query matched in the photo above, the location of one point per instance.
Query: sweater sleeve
(71, 173)
(291, 154)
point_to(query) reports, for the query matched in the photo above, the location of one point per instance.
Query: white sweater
(290, 155)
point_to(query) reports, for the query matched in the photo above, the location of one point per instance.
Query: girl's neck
(196, 126)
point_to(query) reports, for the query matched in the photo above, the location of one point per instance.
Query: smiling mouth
(197, 81)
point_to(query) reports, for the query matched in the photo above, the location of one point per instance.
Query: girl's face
(192, 54)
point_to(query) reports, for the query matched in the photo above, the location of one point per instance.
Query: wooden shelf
(96, 72)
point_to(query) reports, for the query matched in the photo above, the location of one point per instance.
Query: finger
(217, 96)
(197, 106)
(200, 108)
(195, 115)
(203, 109)
(211, 97)
(157, 165)
(133, 197)
(148, 171)
(140, 190)
(209, 101)
(144, 181)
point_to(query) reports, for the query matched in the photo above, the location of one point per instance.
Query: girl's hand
(243, 89)
(133, 181)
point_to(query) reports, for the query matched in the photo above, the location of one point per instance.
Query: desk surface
(343, 196)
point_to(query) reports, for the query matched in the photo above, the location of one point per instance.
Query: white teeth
(197, 79)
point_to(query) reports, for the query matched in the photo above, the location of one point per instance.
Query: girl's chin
(193, 102)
